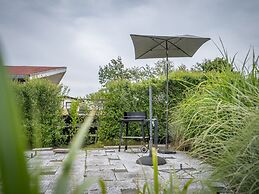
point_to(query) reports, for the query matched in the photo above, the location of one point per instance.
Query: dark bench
(140, 117)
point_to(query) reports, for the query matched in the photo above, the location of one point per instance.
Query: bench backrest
(140, 115)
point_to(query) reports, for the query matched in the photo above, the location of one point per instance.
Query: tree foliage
(217, 64)
(74, 116)
(116, 70)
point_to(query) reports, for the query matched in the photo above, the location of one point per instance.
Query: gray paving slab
(113, 156)
(118, 169)
(122, 176)
(100, 152)
(107, 175)
(115, 162)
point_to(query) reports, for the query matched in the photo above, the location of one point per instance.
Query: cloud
(86, 34)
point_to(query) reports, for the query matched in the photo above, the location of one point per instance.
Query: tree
(115, 70)
(218, 64)
(112, 71)
(160, 67)
(182, 67)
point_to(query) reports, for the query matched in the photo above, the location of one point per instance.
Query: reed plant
(218, 110)
(238, 166)
(218, 122)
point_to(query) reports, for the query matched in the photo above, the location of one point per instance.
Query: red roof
(28, 70)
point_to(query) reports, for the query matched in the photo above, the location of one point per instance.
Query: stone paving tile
(121, 176)
(44, 186)
(127, 156)
(112, 187)
(51, 165)
(100, 152)
(97, 160)
(118, 186)
(110, 150)
(115, 162)
(182, 166)
(104, 167)
(118, 169)
(107, 175)
(113, 157)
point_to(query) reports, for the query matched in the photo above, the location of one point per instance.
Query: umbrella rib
(179, 47)
(159, 42)
(151, 48)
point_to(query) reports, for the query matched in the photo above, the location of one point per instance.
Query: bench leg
(121, 136)
(143, 133)
(127, 132)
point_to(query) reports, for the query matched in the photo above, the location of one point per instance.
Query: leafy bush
(40, 102)
(74, 116)
(216, 65)
(122, 96)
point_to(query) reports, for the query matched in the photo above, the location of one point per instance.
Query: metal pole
(147, 160)
(167, 97)
(150, 121)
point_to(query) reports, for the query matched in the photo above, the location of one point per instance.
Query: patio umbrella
(149, 46)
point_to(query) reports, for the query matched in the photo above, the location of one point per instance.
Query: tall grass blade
(245, 62)
(102, 186)
(63, 181)
(155, 166)
(13, 169)
(186, 186)
(218, 48)
(233, 61)
(224, 50)
(84, 186)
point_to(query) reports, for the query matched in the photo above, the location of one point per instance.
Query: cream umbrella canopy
(149, 46)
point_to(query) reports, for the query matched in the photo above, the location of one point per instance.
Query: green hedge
(122, 96)
(41, 110)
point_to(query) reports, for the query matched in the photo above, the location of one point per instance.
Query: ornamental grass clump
(218, 122)
(219, 109)
(239, 164)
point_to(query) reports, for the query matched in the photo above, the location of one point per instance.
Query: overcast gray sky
(86, 34)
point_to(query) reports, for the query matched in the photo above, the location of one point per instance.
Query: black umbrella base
(166, 151)
(147, 160)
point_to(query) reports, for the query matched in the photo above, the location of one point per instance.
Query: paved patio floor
(118, 169)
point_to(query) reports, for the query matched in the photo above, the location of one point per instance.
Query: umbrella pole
(166, 151)
(150, 122)
(167, 98)
(147, 160)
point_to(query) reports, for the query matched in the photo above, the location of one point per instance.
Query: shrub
(122, 96)
(75, 118)
(216, 65)
(40, 102)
